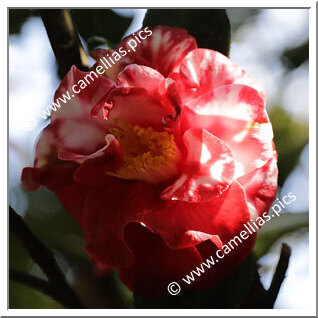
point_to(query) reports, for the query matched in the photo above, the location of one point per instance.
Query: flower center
(149, 155)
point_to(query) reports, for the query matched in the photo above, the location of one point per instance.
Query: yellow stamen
(148, 155)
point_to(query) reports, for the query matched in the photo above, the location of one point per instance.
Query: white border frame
(312, 164)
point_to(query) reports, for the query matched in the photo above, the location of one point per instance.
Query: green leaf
(227, 294)
(104, 25)
(276, 228)
(290, 138)
(210, 27)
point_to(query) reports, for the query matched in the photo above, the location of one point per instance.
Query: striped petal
(208, 168)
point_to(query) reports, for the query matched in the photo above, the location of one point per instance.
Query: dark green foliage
(210, 27)
(99, 27)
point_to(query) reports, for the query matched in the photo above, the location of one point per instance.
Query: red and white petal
(80, 105)
(232, 101)
(92, 168)
(252, 147)
(106, 67)
(249, 140)
(203, 70)
(47, 170)
(75, 129)
(163, 50)
(260, 186)
(111, 146)
(208, 169)
(251, 144)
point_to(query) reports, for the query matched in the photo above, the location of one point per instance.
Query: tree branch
(64, 40)
(43, 257)
(260, 298)
(280, 273)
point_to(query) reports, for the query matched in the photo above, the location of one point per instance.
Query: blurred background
(270, 44)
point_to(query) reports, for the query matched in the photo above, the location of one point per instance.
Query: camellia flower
(161, 161)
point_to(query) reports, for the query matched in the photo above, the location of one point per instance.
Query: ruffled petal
(163, 50)
(155, 265)
(177, 221)
(134, 105)
(47, 170)
(208, 169)
(155, 84)
(92, 171)
(107, 210)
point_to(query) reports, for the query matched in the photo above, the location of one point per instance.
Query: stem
(43, 257)
(64, 40)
